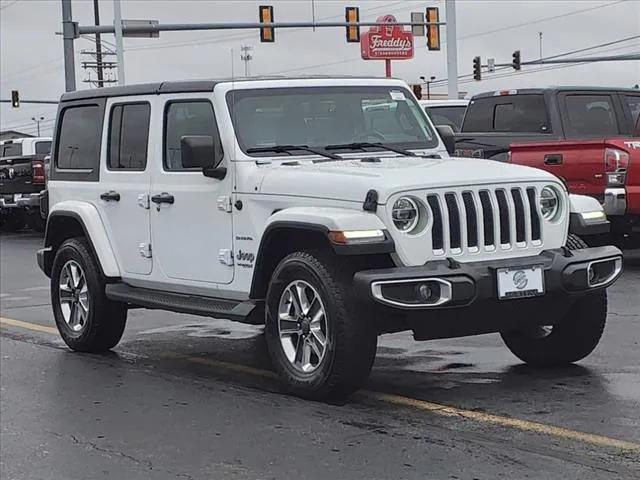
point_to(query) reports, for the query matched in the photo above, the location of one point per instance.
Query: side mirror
(448, 137)
(202, 151)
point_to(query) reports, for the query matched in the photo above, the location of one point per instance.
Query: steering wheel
(365, 136)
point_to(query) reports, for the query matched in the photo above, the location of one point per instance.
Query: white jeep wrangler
(327, 209)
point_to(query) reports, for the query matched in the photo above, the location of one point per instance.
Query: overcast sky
(31, 53)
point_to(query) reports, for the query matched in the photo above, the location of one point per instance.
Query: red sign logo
(389, 42)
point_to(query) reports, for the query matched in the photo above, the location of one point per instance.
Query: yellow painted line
(399, 400)
(28, 325)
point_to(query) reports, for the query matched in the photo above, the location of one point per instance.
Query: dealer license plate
(520, 282)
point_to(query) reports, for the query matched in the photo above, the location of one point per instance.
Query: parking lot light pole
(37, 120)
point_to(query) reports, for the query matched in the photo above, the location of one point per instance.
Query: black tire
(12, 222)
(574, 242)
(351, 339)
(105, 320)
(572, 339)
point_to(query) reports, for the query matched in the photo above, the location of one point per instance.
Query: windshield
(451, 116)
(318, 117)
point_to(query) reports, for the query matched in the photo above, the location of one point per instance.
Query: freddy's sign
(388, 42)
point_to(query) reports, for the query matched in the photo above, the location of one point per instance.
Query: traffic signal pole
(452, 50)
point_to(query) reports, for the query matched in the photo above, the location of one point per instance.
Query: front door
(125, 181)
(191, 220)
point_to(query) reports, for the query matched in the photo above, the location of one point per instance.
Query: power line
(8, 4)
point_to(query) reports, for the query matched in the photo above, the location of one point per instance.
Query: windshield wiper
(365, 145)
(292, 148)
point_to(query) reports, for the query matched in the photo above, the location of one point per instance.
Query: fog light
(424, 292)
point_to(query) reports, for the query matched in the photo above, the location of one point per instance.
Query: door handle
(110, 196)
(553, 159)
(163, 197)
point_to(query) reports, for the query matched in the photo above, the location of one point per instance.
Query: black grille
(521, 235)
(533, 209)
(472, 219)
(487, 217)
(437, 236)
(454, 220)
(503, 212)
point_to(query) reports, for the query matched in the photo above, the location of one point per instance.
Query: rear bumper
(26, 200)
(615, 201)
(470, 291)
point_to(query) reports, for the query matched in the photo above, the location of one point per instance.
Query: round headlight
(405, 214)
(549, 203)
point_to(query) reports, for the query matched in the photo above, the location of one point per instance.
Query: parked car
(588, 137)
(25, 146)
(292, 203)
(446, 112)
(22, 179)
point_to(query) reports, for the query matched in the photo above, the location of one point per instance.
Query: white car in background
(25, 146)
(446, 112)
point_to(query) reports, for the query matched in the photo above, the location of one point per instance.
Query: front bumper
(467, 300)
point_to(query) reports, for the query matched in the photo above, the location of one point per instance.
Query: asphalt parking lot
(193, 398)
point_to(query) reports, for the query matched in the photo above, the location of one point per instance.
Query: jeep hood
(351, 179)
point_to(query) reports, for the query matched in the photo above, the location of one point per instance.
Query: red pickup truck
(589, 137)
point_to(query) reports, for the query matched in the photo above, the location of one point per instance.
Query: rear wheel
(12, 221)
(86, 319)
(572, 339)
(320, 346)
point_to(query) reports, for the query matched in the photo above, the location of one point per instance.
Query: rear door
(124, 197)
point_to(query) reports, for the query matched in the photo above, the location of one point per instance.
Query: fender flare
(94, 230)
(318, 222)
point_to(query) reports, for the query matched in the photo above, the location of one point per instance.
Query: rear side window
(185, 118)
(633, 104)
(589, 116)
(79, 138)
(11, 150)
(43, 148)
(451, 116)
(508, 113)
(129, 136)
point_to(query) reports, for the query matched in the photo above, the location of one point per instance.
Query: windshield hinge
(224, 204)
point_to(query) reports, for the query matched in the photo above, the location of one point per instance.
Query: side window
(590, 115)
(78, 146)
(185, 118)
(633, 103)
(11, 150)
(521, 114)
(128, 136)
(43, 148)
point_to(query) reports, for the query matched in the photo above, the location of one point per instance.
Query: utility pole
(99, 69)
(68, 32)
(540, 35)
(37, 120)
(246, 57)
(452, 50)
(117, 24)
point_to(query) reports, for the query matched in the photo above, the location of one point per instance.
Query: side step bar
(249, 311)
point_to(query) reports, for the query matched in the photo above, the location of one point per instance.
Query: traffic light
(477, 68)
(433, 31)
(267, 34)
(352, 15)
(516, 60)
(15, 99)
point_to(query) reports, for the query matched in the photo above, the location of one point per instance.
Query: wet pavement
(189, 397)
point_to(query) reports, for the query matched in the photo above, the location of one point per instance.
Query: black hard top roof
(178, 87)
(532, 91)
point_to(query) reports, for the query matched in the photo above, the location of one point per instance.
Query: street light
(37, 120)
(428, 82)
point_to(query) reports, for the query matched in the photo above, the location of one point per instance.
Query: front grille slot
(487, 218)
(521, 234)
(455, 237)
(472, 219)
(533, 211)
(437, 236)
(503, 212)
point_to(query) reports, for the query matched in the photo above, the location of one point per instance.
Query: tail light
(37, 173)
(616, 163)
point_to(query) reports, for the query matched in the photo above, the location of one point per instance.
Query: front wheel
(319, 345)
(86, 319)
